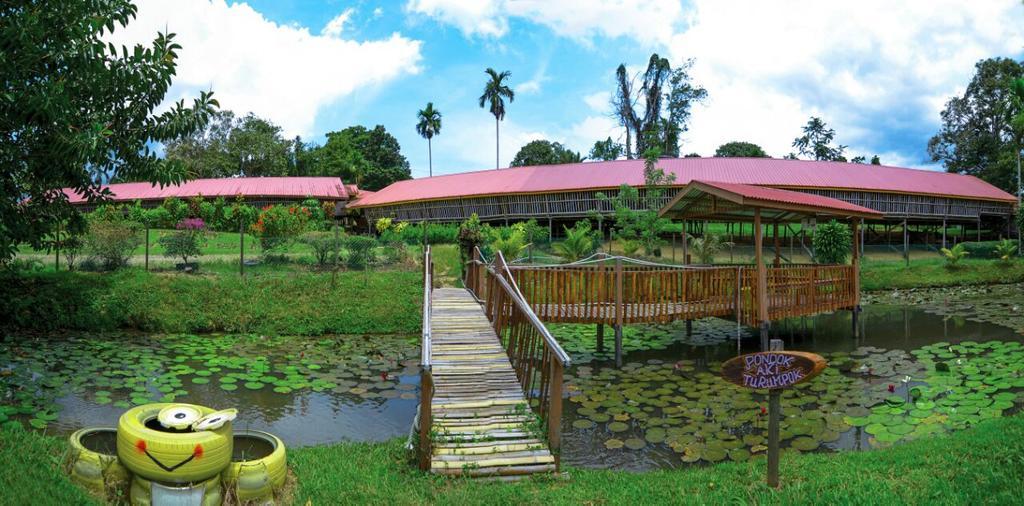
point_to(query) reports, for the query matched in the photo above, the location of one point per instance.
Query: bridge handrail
(428, 282)
(509, 284)
(424, 416)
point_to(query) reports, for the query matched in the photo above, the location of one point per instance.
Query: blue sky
(877, 72)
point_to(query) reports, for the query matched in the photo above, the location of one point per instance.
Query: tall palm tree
(428, 126)
(495, 93)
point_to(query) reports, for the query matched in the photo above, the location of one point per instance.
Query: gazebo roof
(710, 200)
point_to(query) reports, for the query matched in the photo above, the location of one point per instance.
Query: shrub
(277, 226)
(512, 246)
(360, 251)
(322, 244)
(832, 242)
(470, 236)
(954, 255)
(630, 246)
(395, 253)
(186, 241)
(708, 246)
(158, 217)
(980, 249)
(71, 247)
(176, 208)
(1006, 250)
(579, 242)
(382, 225)
(111, 239)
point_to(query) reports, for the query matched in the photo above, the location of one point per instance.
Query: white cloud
(863, 66)
(335, 26)
(598, 101)
(280, 72)
(647, 21)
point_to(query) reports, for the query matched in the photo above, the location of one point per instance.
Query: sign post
(773, 370)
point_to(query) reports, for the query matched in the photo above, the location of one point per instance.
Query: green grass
(982, 465)
(31, 471)
(266, 301)
(933, 272)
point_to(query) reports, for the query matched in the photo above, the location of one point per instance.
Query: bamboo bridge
(491, 373)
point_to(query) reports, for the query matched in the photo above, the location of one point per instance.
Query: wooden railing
(426, 374)
(615, 290)
(537, 358)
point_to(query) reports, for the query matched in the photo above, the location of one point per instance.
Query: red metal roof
(753, 171)
(326, 188)
(761, 193)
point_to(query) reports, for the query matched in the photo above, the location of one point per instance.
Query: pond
(306, 391)
(908, 373)
(666, 407)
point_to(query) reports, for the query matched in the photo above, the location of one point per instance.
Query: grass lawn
(933, 272)
(982, 465)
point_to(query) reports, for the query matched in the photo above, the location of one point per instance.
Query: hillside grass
(982, 465)
(933, 272)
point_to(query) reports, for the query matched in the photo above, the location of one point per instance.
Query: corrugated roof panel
(755, 171)
(790, 197)
(329, 188)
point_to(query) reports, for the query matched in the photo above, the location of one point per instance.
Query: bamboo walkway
(481, 423)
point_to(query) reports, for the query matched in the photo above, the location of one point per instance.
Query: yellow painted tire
(97, 472)
(171, 457)
(257, 479)
(141, 492)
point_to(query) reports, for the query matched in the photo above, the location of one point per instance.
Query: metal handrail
(517, 297)
(428, 282)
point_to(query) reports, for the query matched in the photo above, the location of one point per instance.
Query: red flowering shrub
(277, 226)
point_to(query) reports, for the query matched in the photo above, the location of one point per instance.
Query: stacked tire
(256, 480)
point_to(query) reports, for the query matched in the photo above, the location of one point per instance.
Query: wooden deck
(481, 423)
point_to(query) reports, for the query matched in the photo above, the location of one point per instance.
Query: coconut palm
(495, 93)
(578, 244)
(428, 126)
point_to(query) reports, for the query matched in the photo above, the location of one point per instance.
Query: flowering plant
(186, 241)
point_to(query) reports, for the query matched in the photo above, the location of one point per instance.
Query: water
(883, 329)
(365, 388)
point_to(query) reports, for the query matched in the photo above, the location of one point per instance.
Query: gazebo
(779, 291)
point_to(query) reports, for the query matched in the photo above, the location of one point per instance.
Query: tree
(1017, 124)
(605, 150)
(636, 216)
(740, 149)
(75, 111)
(371, 158)
(494, 96)
(230, 146)
(875, 160)
(429, 125)
(542, 152)
(817, 142)
(666, 94)
(976, 136)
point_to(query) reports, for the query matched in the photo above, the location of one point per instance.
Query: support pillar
(855, 261)
(762, 279)
(600, 337)
(686, 246)
(906, 243)
(943, 231)
(775, 237)
(618, 312)
(689, 328)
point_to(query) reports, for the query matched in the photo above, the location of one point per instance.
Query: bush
(980, 249)
(832, 242)
(277, 226)
(395, 253)
(579, 242)
(511, 247)
(954, 255)
(112, 239)
(71, 247)
(360, 251)
(322, 244)
(1006, 250)
(186, 241)
(470, 236)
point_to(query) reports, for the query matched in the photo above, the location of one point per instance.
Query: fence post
(426, 398)
(241, 246)
(618, 312)
(555, 412)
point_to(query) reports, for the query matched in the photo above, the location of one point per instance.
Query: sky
(877, 71)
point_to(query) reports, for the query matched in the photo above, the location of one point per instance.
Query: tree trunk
(497, 147)
(430, 157)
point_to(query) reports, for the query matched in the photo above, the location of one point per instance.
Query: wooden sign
(772, 369)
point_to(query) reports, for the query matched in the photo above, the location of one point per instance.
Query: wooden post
(855, 261)
(600, 337)
(56, 251)
(241, 246)
(673, 247)
(426, 398)
(979, 227)
(774, 410)
(618, 312)
(555, 413)
(686, 246)
(906, 243)
(775, 238)
(762, 279)
(147, 247)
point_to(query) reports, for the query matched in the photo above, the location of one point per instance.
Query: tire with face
(171, 457)
(98, 472)
(257, 479)
(141, 493)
